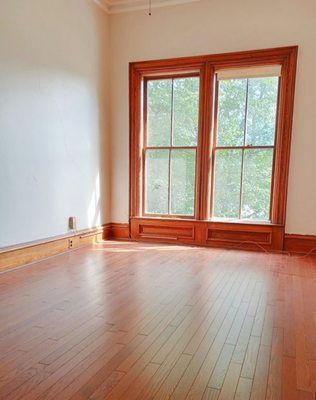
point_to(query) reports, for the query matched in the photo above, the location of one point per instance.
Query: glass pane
(262, 105)
(231, 112)
(257, 184)
(227, 183)
(182, 182)
(156, 185)
(185, 111)
(159, 112)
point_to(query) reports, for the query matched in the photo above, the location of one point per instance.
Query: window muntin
(243, 149)
(170, 145)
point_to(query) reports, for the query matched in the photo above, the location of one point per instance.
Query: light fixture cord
(149, 8)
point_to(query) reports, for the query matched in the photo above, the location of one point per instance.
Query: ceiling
(120, 6)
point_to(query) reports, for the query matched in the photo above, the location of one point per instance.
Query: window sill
(212, 220)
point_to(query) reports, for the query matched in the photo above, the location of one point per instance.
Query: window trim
(206, 66)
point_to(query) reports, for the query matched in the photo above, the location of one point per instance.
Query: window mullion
(171, 144)
(169, 183)
(241, 180)
(243, 150)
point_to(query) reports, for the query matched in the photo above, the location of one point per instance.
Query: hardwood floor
(138, 321)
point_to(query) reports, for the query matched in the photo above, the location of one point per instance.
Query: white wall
(220, 26)
(53, 117)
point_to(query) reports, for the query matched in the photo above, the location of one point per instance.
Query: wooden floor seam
(139, 321)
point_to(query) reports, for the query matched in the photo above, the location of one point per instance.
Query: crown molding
(121, 6)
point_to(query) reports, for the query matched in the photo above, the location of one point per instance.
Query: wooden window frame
(206, 67)
(171, 147)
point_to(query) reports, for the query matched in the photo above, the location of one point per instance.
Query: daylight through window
(170, 145)
(243, 148)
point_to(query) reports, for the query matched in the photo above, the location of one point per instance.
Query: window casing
(207, 147)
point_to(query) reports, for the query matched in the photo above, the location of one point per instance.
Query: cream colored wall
(54, 137)
(208, 27)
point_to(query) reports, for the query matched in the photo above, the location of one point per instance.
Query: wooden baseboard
(299, 243)
(107, 231)
(12, 257)
(166, 231)
(116, 231)
(217, 234)
(208, 233)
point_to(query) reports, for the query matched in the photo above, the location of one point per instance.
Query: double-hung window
(210, 143)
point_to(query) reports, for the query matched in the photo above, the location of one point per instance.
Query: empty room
(157, 200)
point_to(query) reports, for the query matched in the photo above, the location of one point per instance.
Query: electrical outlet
(70, 243)
(72, 223)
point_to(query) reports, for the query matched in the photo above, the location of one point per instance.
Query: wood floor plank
(243, 391)
(250, 362)
(169, 384)
(142, 381)
(289, 390)
(107, 385)
(219, 372)
(230, 383)
(211, 394)
(259, 387)
(136, 321)
(274, 387)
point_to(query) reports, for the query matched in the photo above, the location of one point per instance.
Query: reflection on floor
(139, 321)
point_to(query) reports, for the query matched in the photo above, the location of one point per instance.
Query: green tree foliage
(157, 177)
(159, 95)
(256, 184)
(185, 111)
(227, 183)
(172, 116)
(182, 182)
(231, 112)
(246, 117)
(262, 102)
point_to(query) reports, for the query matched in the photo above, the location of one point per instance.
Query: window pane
(159, 112)
(156, 185)
(231, 112)
(262, 104)
(257, 184)
(186, 111)
(227, 183)
(182, 182)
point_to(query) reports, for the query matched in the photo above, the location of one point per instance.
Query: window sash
(169, 213)
(241, 191)
(169, 148)
(246, 73)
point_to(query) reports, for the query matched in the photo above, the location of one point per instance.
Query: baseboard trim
(14, 256)
(116, 231)
(253, 236)
(299, 243)
(229, 235)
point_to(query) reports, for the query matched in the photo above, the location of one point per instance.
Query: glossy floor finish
(139, 321)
